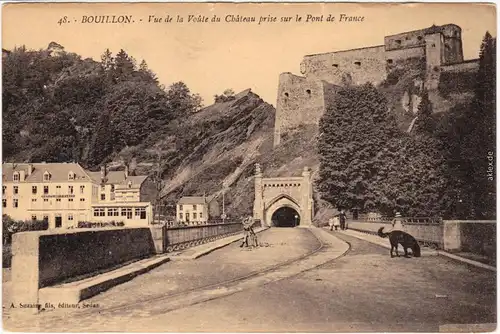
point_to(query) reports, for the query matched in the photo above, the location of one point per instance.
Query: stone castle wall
(300, 101)
(303, 99)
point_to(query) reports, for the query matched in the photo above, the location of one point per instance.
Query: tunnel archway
(285, 217)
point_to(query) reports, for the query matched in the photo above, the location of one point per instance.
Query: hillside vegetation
(60, 107)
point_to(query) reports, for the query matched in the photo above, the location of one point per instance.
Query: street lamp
(296, 217)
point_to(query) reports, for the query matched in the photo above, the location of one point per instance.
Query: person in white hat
(397, 223)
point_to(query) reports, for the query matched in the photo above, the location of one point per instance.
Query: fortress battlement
(303, 99)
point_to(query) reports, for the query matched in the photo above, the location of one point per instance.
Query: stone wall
(300, 101)
(359, 65)
(404, 40)
(468, 66)
(48, 257)
(393, 56)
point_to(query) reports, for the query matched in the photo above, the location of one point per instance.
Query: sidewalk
(195, 252)
(383, 242)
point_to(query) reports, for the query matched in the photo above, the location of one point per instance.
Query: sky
(211, 57)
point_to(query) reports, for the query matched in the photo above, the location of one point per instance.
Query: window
(70, 217)
(286, 94)
(113, 212)
(33, 190)
(4, 203)
(45, 190)
(16, 176)
(201, 215)
(129, 184)
(82, 189)
(33, 200)
(45, 199)
(308, 91)
(127, 212)
(58, 221)
(357, 63)
(103, 187)
(70, 200)
(103, 197)
(46, 218)
(112, 188)
(194, 206)
(46, 176)
(180, 207)
(180, 216)
(71, 176)
(433, 45)
(58, 200)
(194, 215)
(16, 190)
(70, 190)
(3, 189)
(82, 199)
(420, 38)
(335, 65)
(187, 216)
(99, 212)
(389, 61)
(140, 212)
(58, 187)
(398, 42)
(15, 204)
(33, 217)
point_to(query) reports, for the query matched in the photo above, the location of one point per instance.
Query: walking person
(336, 222)
(330, 223)
(397, 223)
(246, 233)
(342, 218)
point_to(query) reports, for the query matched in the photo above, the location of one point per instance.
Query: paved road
(365, 290)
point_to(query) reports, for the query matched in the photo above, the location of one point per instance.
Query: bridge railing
(179, 238)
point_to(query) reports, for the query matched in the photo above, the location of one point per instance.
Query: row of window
(195, 215)
(140, 213)
(15, 201)
(34, 190)
(46, 217)
(181, 207)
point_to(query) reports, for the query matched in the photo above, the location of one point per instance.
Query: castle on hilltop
(303, 99)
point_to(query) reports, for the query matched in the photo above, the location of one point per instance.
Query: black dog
(403, 238)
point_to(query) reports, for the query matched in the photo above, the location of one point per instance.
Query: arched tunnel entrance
(285, 217)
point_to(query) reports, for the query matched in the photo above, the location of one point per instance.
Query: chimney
(103, 173)
(126, 171)
(30, 169)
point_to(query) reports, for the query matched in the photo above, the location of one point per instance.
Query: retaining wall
(48, 257)
(451, 235)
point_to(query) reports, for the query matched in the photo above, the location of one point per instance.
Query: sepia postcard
(249, 167)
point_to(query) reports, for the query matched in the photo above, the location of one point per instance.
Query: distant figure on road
(334, 222)
(397, 223)
(248, 232)
(342, 218)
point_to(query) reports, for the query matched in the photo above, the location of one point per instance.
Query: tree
(124, 66)
(352, 133)
(181, 101)
(101, 145)
(146, 74)
(107, 60)
(424, 123)
(479, 148)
